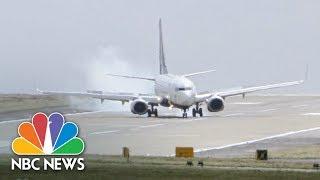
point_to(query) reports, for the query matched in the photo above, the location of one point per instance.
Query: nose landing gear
(197, 110)
(152, 111)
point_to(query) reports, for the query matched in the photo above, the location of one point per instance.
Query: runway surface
(245, 124)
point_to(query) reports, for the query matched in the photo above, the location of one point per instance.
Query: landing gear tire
(149, 113)
(200, 112)
(184, 115)
(152, 111)
(156, 112)
(194, 112)
(197, 110)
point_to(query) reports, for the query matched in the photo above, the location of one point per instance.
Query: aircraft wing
(224, 94)
(197, 73)
(257, 88)
(132, 77)
(123, 97)
(243, 91)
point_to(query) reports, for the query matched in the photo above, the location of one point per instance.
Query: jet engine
(139, 106)
(215, 104)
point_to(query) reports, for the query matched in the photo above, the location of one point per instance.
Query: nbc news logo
(47, 136)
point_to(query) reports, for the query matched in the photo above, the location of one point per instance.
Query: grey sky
(69, 45)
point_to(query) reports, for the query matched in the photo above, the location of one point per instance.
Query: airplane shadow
(172, 117)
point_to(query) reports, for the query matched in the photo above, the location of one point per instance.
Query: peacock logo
(48, 136)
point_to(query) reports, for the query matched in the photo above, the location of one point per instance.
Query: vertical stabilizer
(163, 67)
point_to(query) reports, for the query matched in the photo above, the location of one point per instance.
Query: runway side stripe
(12, 121)
(257, 140)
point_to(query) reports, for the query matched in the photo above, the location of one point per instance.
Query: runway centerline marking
(235, 114)
(302, 105)
(311, 114)
(147, 126)
(257, 140)
(180, 135)
(104, 132)
(267, 110)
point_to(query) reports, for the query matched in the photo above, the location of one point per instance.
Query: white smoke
(109, 60)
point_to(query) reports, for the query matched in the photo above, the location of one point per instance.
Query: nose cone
(186, 98)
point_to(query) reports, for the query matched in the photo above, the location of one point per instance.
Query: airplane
(173, 91)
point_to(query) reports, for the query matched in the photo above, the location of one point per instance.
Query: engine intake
(139, 106)
(215, 104)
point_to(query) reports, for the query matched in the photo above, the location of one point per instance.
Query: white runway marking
(302, 105)
(195, 119)
(162, 135)
(12, 121)
(235, 114)
(109, 125)
(4, 144)
(104, 132)
(267, 110)
(181, 135)
(147, 126)
(257, 140)
(311, 114)
(69, 114)
(246, 103)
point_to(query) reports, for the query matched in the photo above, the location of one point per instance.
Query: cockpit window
(183, 89)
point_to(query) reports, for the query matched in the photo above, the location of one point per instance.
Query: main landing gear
(197, 110)
(184, 115)
(152, 111)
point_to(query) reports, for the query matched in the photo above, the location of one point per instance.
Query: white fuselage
(179, 90)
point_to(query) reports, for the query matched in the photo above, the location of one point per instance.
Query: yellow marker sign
(125, 152)
(184, 152)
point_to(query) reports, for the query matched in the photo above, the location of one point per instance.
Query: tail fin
(163, 67)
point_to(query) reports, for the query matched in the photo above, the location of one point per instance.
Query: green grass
(155, 172)
(115, 167)
(18, 102)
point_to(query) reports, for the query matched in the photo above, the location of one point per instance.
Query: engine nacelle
(215, 104)
(139, 106)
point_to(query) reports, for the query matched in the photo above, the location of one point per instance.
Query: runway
(253, 120)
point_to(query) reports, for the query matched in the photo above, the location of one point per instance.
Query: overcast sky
(70, 44)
